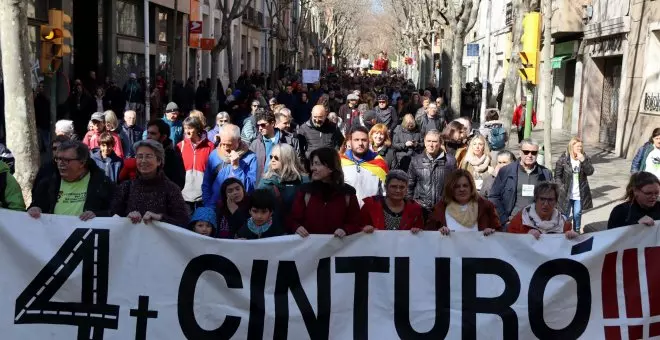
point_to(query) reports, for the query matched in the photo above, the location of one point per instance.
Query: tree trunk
(512, 79)
(425, 58)
(19, 104)
(547, 78)
(457, 70)
(230, 64)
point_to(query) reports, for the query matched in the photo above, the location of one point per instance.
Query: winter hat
(382, 97)
(171, 107)
(205, 214)
(132, 76)
(352, 96)
(98, 116)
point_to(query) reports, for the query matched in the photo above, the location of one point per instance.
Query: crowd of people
(302, 160)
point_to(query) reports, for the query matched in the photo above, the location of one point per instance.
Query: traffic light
(53, 44)
(531, 43)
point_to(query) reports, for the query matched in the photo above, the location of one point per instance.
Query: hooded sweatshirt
(207, 215)
(111, 165)
(219, 168)
(366, 175)
(12, 198)
(195, 157)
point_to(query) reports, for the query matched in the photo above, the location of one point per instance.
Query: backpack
(496, 138)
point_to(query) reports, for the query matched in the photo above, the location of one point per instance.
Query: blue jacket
(111, 166)
(639, 162)
(212, 133)
(505, 188)
(217, 170)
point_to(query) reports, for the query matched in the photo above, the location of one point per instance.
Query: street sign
(472, 50)
(207, 44)
(195, 27)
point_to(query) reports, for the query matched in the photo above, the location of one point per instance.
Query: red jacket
(129, 170)
(341, 211)
(372, 214)
(381, 64)
(91, 139)
(518, 116)
(195, 157)
(516, 225)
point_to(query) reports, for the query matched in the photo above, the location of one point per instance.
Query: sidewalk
(608, 183)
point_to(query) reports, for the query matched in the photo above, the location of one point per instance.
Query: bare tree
(228, 15)
(19, 106)
(276, 26)
(297, 32)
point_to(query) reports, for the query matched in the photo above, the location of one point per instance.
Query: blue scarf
(259, 230)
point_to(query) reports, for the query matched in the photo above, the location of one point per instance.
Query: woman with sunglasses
(542, 216)
(284, 176)
(641, 204)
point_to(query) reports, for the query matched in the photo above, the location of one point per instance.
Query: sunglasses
(527, 152)
(275, 158)
(262, 125)
(255, 105)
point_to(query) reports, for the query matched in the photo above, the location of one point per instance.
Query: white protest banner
(108, 279)
(310, 76)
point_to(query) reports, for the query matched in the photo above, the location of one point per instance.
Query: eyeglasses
(650, 193)
(223, 121)
(262, 125)
(527, 152)
(255, 105)
(546, 200)
(147, 157)
(63, 160)
(277, 158)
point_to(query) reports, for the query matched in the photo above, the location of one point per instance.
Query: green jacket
(13, 196)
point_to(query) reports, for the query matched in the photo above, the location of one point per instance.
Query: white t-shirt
(653, 162)
(453, 225)
(575, 186)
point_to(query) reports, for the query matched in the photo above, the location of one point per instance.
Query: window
(37, 9)
(128, 19)
(162, 26)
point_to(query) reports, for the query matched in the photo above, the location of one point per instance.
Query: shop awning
(557, 61)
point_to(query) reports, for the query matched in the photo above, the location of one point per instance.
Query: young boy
(93, 137)
(203, 221)
(261, 223)
(106, 158)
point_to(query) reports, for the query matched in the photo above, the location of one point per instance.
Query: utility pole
(486, 79)
(547, 77)
(147, 66)
(171, 68)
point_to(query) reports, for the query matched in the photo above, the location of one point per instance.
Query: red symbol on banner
(633, 318)
(195, 27)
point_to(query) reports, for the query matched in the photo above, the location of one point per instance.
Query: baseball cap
(98, 116)
(171, 107)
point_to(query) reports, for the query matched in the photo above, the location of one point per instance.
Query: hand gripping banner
(109, 279)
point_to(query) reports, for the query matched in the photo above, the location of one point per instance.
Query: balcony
(508, 19)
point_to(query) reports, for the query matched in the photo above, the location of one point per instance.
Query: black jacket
(259, 148)
(387, 116)
(100, 191)
(403, 154)
(130, 135)
(427, 178)
(629, 213)
(387, 152)
(426, 124)
(312, 138)
(173, 168)
(564, 177)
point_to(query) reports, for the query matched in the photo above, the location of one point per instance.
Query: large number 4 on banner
(92, 314)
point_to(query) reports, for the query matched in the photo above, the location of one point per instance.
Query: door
(610, 102)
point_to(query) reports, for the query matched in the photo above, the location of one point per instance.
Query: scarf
(531, 219)
(465, 215)
(259, 230)
(479, 164)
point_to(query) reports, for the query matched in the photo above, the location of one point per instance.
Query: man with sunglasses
(514, 185)
(268, 137)
(249, 130)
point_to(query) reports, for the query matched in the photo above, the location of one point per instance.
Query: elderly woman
(285, 174)
(477, 161)
(379, 139)
(641, 204)
(221, 119)
(393, 211)
(462, 209)
(151, 196)
(542, 216)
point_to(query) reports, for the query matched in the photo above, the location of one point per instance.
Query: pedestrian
(105, 157)
(232, 158)
(151, 196)
(380, 142)
(249, 130)
(571, 171)
(477, 161)
(513, 188)
(268, 137)
(64, 127)
(364, 170)
(455, 138)
(78, 188)
(92, 137)
(326, 205)
(428, 171)
(542, 216)
(392, 211)
(221, 119)
(130, 133)
(261, 223)
(641, 204)
(495, 132)
(504, 158)
(203, 222)
(430, 120)
(462, 208)
(349, 111)
(195, 151)
(518, 119)
(407, 142)
(233, 207)
(49, 168)
(158, 130)
(171, 118)
(284, 176)
(11, 197)
(647, 157)
(386, 114)
(284, 121)
(319, 132)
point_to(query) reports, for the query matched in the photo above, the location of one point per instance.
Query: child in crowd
(97, 127)
(203, 221)
(106, 158)
(261, 223)
(232, 208)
